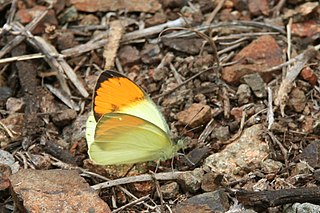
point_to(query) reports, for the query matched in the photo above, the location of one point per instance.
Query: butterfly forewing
(117, 93)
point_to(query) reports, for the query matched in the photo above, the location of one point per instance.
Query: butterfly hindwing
(122, 138)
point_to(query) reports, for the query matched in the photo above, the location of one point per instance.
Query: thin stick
(289, 38)
(270, 115)
(242, 24)
(291, 61)
(214, 12)
(18, 39)
(12, 12)
(139, 178)
(59, 63)
(277, 8)
(63, 165)
(131, 203)
(154, 30)
(23, 58)
(283, 150)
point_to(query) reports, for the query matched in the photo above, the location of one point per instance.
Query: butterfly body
(126, 126)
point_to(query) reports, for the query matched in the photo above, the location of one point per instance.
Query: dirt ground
(238, 80)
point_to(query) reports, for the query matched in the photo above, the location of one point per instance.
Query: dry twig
(286, 84)
(111, 48)
(18, 39)
(270, 115)
(214, 12)
(139, 178)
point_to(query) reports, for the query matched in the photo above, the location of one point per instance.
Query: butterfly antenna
(186, 157)
(184, 129)
(129, 170)
(190, 130)
(172, 168)
(157, 166)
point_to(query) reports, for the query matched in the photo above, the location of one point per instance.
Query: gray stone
(302, 208)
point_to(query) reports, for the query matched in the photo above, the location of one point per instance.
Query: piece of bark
(27, 72)
(265, 199)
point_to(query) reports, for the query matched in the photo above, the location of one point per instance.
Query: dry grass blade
(141, 199)
(154, 30)
(270, 115)
(293, 72)
(22, 58)
(63, 97)
(215, 12)
(111, 48)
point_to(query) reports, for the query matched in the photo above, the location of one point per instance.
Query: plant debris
(237, 80)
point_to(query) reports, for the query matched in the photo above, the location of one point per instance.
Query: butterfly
(125, 125)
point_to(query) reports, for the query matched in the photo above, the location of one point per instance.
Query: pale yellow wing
(122, 139)
(90, 129)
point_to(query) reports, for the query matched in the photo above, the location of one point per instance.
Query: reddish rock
(211, 181)
(308, 75)
(228, 15)
(195, 116)
(54, 191)
(90, 20)
(259, 7)
(308, 124)
(142, 188)
(156, 19)
(305, 29)
(237, 113)
(25, 16)
(261, 54)
(4, 176)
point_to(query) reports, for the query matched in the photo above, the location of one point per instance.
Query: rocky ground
(237, 79)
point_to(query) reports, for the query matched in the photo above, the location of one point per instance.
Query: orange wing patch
(111, 122)
(116, 93)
